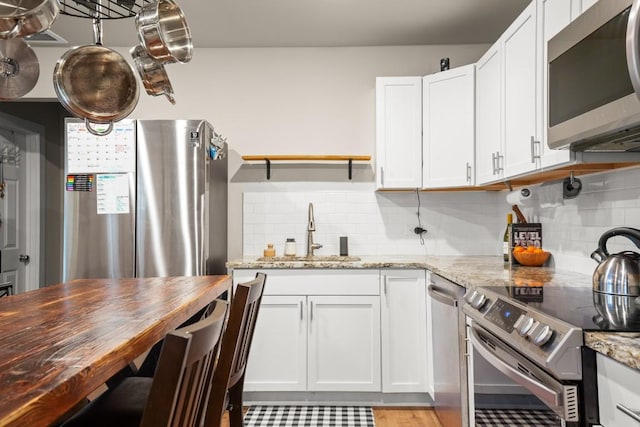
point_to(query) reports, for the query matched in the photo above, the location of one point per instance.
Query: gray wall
(51, 116)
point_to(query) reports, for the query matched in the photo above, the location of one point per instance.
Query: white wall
(282, 101)
(571, 229)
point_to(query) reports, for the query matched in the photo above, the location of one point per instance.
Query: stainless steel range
(534, 335)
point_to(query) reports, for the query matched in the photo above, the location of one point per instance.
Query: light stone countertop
(471, 271)
(623, 347)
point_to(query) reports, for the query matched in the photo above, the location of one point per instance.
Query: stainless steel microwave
(594, 80)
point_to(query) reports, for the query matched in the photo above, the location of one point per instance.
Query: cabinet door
(618, 393)
(556, 14)
(398, 132)
(278, 357)
(448, 128)
(404, 331)
(522, 94)
(344, 343)
(489, 116)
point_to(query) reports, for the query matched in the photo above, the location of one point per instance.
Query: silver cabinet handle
(633, 56)
(468, 172)
(498, 158)
(382, 176)
(630, 412)
(311, 311)
(436, 294)
(533, 149)
(301, 318)
(493, 163)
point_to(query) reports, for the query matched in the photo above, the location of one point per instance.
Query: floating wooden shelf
(268, 158)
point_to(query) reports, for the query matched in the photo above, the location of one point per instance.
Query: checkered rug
(515, 417)
(309, 416)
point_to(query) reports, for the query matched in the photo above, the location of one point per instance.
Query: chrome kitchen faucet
(311, 227)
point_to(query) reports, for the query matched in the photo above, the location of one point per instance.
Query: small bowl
(531, 259)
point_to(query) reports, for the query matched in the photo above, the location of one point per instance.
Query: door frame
(35, 164)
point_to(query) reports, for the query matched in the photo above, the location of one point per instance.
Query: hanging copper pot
(164, 33)
(96, 83)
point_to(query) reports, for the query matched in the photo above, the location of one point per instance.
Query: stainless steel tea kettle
(617, 274)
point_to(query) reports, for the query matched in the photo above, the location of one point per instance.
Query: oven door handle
(540, 390)
(633, 39)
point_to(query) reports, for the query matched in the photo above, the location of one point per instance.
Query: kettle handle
(601, 253)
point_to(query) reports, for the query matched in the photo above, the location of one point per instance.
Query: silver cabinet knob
(523, 324)
(23, 258)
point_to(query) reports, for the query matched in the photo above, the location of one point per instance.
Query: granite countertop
(466, 271)
(471, 271)
(623, 346)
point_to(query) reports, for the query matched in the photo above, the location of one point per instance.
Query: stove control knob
(531, 332)
(543, 335)
(523, 324)
(469, 296)
(478, 301)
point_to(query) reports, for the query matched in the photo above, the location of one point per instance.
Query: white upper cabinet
(509, 102)
(522, 94)
(398, 132)
(489, 157)
(448, 128)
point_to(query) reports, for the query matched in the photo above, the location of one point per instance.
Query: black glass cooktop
(579, 306)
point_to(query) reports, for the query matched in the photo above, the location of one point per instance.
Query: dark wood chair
(176, 395)
(228, 377)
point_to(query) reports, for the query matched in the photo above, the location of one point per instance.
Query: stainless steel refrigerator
(149, 199)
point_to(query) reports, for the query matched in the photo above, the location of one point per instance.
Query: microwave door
(633, 46)
(592, 102)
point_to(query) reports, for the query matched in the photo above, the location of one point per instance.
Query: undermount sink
(315, 258)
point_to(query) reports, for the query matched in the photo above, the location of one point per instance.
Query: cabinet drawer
(315, 281)
(617, 389)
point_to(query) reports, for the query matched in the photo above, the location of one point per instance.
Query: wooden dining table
(60, 343)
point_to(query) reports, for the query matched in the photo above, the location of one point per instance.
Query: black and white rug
(515, 417)
(309, 416)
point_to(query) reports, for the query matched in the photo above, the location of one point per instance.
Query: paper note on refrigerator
(112, 193)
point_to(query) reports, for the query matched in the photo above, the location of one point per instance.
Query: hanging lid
(19, 69)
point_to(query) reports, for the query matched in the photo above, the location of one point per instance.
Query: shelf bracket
(350, 168)
(268, 162)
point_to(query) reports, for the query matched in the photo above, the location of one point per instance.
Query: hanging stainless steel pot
(164, 33)
(96, 84)
(617, 274)
(21, 18)
(152, 73)
(19, 69)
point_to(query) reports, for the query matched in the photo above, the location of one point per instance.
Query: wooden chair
(228, 377)
(177, 394)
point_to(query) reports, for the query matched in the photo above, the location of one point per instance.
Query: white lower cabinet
(618, 393)
(278, 357)
(316, 331)
(344, 343)
(404, 331)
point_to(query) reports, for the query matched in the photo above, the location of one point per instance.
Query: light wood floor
(395, 417)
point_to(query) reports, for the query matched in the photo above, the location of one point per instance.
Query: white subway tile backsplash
(458, 223)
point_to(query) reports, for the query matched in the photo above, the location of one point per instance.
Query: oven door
(562, 398)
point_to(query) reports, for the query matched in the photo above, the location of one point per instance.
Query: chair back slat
(182, 380)
(236, 343)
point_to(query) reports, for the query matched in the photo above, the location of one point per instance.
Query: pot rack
(103, 9)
